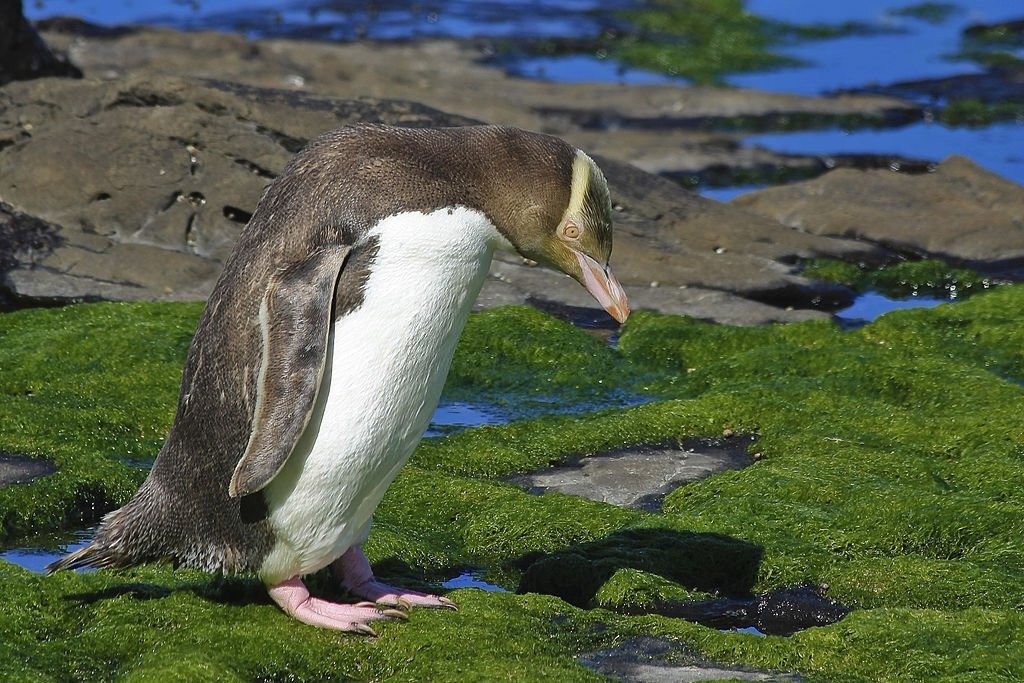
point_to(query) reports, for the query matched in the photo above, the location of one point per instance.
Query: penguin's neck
(424, 279)
(440, 251)
(426, 275)
(397, 346)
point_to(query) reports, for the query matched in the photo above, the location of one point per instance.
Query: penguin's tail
(116, 543)
(91, 555)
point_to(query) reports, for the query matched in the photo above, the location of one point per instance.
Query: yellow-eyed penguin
(322, 351)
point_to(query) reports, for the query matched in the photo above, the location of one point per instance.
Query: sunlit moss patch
(889, 469)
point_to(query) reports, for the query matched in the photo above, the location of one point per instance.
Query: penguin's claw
(384, 595)
(363, 629)
(293, 597)
(356, 575)
(408, 599)
(384, 609)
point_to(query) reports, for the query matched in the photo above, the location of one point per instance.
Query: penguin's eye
(571, 231)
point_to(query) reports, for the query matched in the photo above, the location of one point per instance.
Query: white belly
(387, 364)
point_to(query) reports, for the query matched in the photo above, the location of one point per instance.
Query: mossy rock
(702, 562)
(889, 469)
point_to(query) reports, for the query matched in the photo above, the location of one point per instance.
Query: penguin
(321, 353)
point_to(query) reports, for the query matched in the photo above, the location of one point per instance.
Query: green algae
(698, 39)
(928, 277)
(889, 469)
(705, 40)
(633, 590)
(519, 358)
(974, 112)
(110, 373)
(101, 626)
(992, 45)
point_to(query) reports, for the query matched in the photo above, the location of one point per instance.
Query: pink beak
(603, 286)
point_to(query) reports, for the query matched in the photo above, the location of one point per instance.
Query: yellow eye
(571, 231)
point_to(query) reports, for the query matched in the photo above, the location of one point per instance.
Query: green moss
(91, 388)
(837, 270)
(634, 590)
(929, 277)
(992, 46)
(700, 562)
(699, 39)
(984, 332)
(156, 625)
(1003, 34)
(974, 112)
(518, 351)
(890, 469)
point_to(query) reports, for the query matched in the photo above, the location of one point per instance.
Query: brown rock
(158, 173)
(657, 127)
(145, 183)
(157, 176)
(961, 212)
(18, 469)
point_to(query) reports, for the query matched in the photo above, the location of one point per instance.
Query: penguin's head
(579, 242)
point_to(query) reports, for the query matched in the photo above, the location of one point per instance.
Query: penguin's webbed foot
(293, 597)
(356, 575)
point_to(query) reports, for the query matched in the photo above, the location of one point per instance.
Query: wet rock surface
(781, 612)
(641, 477)
(646, 659)
(161, 169)
(160, 174)
(157, 177)
(961, 212)
(18, 469)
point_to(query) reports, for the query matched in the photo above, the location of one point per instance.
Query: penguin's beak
(602, 285)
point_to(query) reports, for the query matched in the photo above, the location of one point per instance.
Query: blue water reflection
(869, 305)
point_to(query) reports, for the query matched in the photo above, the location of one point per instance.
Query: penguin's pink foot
(293, 597)
(355, 574)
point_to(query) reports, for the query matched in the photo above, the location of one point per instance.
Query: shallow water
(750, 630)
(996, 147)
(37, 552)
(455, 416)
(346, 19)
(869, 305)
(472, 579)
(903, 48)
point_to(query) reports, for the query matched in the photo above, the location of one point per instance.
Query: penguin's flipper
(295, 321)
